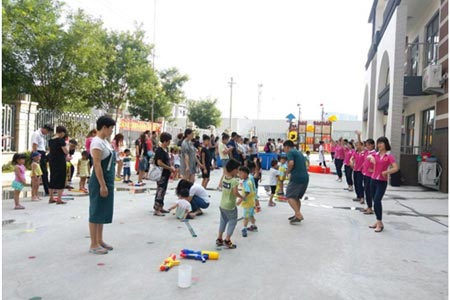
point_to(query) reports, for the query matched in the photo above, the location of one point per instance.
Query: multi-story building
(406, 92)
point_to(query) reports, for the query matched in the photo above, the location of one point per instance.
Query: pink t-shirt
(333, 148)
(358, 158)
(382, 164)
(347, 156)
(367, 167)
(88, 144)
(22, 173)
(339, 152)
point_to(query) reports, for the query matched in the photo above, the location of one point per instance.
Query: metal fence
(8, 127)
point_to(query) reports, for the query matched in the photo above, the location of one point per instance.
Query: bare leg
(95, 243)
(245, 222)
(119, 168)
(50, 191)
(100, 234)
(295, 205)
(17, 199)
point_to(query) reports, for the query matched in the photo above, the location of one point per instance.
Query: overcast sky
(306, 52)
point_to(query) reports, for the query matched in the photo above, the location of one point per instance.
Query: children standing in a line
(19, 181)
(36, 174)
(205, 159)
(126, 166)
(83, 170)
(247, 201)
(356, 162)
(228, 210)
(274, 174)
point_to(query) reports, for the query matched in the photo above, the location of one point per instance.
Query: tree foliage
(204, 113)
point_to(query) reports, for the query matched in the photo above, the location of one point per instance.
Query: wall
(415, 105)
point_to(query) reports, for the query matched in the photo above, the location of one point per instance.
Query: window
(432, 40)
(409, 133)
(427, 128)
(413, 58)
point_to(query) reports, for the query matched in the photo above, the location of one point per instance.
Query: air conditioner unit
(431, 77)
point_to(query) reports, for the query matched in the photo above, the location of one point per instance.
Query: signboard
(139, 126)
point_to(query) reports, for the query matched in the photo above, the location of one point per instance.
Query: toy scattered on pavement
(169, 262)
(199, 255)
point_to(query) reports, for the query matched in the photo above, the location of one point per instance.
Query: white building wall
(415, 107)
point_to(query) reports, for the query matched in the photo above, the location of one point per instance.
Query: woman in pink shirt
(384, 164)
(367, 170)
(348, 150)
(339, 156)
(356, 162)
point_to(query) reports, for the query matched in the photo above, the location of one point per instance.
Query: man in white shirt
(38, 144)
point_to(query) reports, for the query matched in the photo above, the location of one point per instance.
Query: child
(274, 174)
(127, 166)
(228, 210)
(252, 167)
(36, 173)
(176, 163)
(19, 170)
(247, 201)
(282, 169)
(70, 168)
(322, 154)
(206, 160)
(183, 206)
(307, 159)
(83, 170)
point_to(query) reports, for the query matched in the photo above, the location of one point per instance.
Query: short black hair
(126, 151)
(165, 137)
(184, 193)
(73, 142)
(288, 143)
(206, 137)
(105, 121)
(274, 162)
(370, 142)
(244, 169)
(385, 141)
(232, 165)
(49, 127)
(225, 136)
(234, 134)
(18, 156)
(61, 129)
(183, 184)
(187, 132)
(85, 153)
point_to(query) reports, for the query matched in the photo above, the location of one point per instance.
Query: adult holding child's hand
(101, 185)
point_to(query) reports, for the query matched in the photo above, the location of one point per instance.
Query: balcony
(383, 99)
(365, 114)
(412, 86)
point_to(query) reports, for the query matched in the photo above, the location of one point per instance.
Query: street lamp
(298, 126)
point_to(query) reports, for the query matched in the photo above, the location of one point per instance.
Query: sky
(302, 52)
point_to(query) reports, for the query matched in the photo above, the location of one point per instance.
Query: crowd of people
(103, 163)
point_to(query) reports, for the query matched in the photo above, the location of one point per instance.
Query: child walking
(83, 170)
(127, 166)
(228, 210)
(36, 173)
(282, 169)
(247, 200)
(19, 181)
(274, 174)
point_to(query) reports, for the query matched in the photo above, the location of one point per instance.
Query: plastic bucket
(184, 276)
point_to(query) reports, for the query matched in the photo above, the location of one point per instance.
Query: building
(406, 89)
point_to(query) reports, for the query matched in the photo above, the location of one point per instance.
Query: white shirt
(223, 147)
(197, 190)
(273, 173)
(102, 145)
(176, 159)
(321, 154)
(182, 206)
(39, 139)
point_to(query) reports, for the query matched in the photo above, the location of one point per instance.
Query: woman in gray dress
(101, 185)
(188, 157)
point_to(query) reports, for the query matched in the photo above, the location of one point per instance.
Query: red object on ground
(319, 169)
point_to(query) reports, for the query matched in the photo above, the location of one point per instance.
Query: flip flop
(159, 214)
(19, 207)
(98, 250)
(106, 246)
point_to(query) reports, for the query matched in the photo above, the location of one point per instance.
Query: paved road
(331, 255)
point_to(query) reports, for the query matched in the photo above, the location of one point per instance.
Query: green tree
(204, 113)
(57, 64)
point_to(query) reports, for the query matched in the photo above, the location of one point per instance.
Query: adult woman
(143, 160)
(197, 195)
(57, 161)
(188, 157)
(101, 185)
(384, 164)
(339, 156)
(348, 153)
(117, 144)
(162, 160)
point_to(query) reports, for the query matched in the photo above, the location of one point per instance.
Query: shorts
(207, 174)
(296, 190)
(248, 212)
(143, 164)
(17, 186)
(177, 166)
(273, 188)
(126, 171)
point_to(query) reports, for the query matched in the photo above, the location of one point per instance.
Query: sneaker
(229, 244)
(253, 228)
(244, 232)
(118, 179)
(339, 180)
(295, 220)
(356, 199)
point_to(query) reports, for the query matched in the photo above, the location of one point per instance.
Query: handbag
(155, 173)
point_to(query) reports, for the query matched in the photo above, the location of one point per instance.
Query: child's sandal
(229, 244)
(219, 242)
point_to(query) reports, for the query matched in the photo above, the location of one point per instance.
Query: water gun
(199, 255)
(169, 262)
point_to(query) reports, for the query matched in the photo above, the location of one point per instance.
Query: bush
(9, 167)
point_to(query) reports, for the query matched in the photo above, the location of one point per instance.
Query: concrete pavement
(331, 255)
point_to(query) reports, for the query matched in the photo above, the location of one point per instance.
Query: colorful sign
(139, 126)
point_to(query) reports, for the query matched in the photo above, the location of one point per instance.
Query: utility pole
(323, 112)
(231, 100)
(153, 60)
(259, 101)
